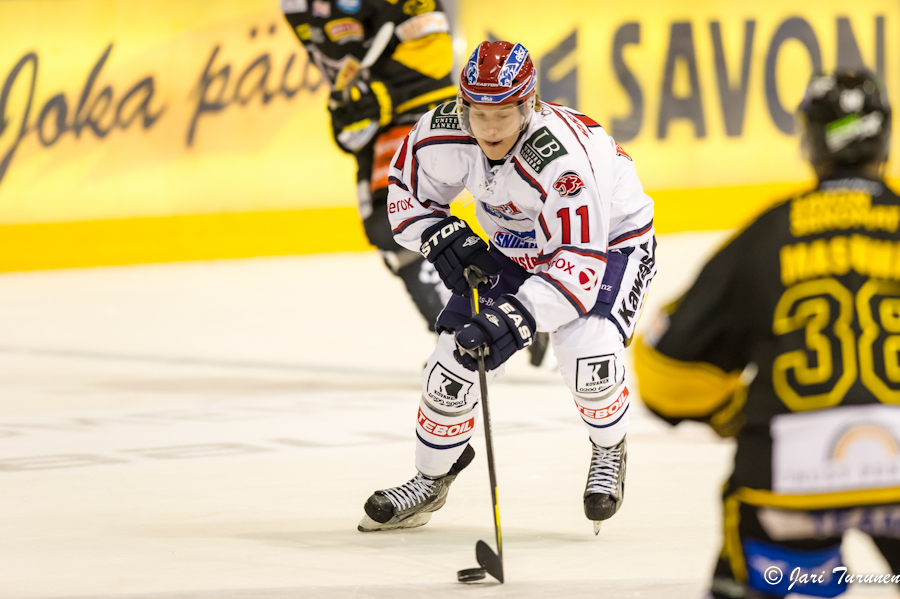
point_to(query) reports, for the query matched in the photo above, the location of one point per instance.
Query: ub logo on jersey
(446, 389)
(515, 240)
(541, 149)
(512, 66)
(596, 374)
(569, 184)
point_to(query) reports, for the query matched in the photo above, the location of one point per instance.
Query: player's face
(496, 128)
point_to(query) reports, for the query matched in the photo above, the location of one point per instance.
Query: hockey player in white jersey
(571, 253)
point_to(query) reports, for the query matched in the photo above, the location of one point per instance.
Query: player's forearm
(409, 218)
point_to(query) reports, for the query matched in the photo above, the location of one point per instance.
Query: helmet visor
(491, 122)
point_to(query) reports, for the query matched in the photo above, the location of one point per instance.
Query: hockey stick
(490, 562)
(352, 71)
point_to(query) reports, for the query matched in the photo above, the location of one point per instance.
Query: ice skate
(411, 504)
(605, 490)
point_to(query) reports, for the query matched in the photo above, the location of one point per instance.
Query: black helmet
(846, 119)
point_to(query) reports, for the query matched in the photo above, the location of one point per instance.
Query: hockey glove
(453, 247)
(358, 112)
(501, 330)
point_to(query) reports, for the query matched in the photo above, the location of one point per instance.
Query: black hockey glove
(358, 112)
(502, 330)
(453, 247)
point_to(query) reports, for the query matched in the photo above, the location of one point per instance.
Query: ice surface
(211, 430)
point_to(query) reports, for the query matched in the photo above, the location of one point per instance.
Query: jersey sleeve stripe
(579, 307)
(443, 139)
(400, 228)
(395, 181)
(529, 179)
(430, 203)
(401, 155)
(611, 423)
(632, 234)
(433, 446)
(544, 227)
(575, 250)
(562, 117)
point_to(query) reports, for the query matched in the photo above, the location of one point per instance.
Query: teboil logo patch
(569, 184)
(611, 410)
(595, 374)
(447, 389)
(442, 430)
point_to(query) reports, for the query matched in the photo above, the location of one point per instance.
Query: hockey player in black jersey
(807, 299)
(387, 63)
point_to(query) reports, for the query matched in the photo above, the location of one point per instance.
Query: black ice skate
(410, 505)
(605, 489)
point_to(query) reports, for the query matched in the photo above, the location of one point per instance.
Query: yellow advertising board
(702, 93)
(170, 130)
(152, 131)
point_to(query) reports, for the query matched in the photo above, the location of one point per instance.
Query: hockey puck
(471, 575)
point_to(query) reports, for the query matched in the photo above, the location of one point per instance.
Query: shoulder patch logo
(418, 7)
(445, 117)
(621, 152)
(303, 32)
(541, 149)
(350, 7)
(569, 184)
(321, 8)
(344, 30)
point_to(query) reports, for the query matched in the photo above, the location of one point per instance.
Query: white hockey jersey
(564, 197)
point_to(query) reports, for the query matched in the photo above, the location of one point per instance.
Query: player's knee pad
(447, 415)
(448, 389)
(589, 351)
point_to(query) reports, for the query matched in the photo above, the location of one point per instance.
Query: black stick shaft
(488, 437)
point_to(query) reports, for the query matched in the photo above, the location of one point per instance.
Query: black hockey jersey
(808, 297)
(414, 65)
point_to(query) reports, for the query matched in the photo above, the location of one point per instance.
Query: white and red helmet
(497, 73)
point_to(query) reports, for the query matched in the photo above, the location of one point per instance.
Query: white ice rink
(211, 430)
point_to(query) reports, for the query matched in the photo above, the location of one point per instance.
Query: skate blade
(597, 525)
(369, 525)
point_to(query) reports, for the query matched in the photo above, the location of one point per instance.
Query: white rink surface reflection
(211, 430)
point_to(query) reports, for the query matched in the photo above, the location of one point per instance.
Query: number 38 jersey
(563, 198)
(809, 294)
